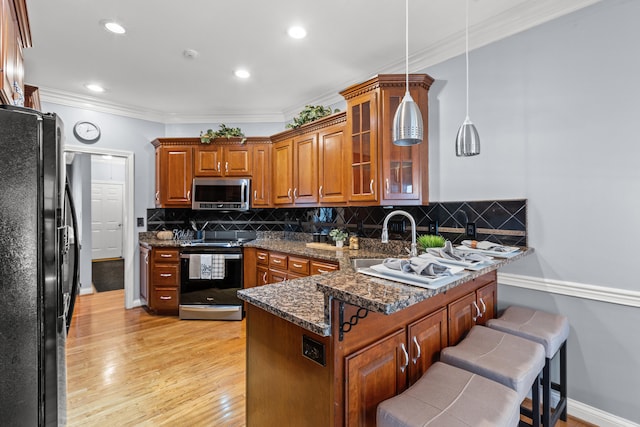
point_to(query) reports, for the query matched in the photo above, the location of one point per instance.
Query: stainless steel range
(211, 275)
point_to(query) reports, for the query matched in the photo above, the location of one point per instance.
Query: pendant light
(467, 140)
(407, 122)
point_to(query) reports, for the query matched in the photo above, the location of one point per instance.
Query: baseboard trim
(580, 290)
(596, 416)
(86, 291)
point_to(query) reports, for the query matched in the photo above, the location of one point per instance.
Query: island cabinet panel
(374, 374)
(284, 387)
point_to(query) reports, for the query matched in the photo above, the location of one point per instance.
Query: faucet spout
(385, 230)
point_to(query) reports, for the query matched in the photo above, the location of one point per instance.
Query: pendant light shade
(407, 122)
(467, 140)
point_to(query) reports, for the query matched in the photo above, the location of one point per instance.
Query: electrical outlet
(471, 230)
(433, 227)
(140, 222)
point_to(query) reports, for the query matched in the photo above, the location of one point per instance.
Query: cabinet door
(176, 176)
(11, 66)
(426, 337)
(208, 161)
(332, 174)
(144, 274)
(363, 123)
(486, 299)
(237, 160)
(165, 299)
(305, 166)
(400, 165)
(276, 276)
(372, 375)
(462, 315)
(261, 181)
(262, 275)
(283, 173)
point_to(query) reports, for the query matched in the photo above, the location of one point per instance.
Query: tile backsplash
(501, 221)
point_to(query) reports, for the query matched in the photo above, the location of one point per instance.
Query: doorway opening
(102, 184)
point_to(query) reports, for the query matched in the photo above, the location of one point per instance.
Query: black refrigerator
(38, 268)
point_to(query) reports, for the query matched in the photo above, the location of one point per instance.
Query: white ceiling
(146, 75)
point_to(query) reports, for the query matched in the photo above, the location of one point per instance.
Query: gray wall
(556, 108)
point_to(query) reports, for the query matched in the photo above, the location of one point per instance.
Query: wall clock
(86, 132)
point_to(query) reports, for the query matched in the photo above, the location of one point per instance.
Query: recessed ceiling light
(242, 73)
(190, 53)
(94, 88)
(297, 32)
(114, 27)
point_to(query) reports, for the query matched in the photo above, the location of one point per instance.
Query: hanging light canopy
(407, 122)
(467, 140)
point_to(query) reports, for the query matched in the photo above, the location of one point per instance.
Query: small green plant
(223, 132)
(309, 114)
(430, 241)
(338, 235)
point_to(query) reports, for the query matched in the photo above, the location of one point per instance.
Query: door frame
(128, 237)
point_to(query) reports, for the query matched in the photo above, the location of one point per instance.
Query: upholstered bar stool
(550, 330)
(504, 358)
(446, 396)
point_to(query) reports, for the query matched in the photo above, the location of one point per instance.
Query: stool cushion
(452, 397)
(548, 329)
(510, 360)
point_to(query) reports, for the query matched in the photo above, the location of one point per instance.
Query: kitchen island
(326, 349)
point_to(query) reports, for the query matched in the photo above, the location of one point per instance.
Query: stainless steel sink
(366, 262)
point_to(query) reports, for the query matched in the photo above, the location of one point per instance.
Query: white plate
(514, 251)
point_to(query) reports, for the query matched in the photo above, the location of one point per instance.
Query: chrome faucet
(385, 230)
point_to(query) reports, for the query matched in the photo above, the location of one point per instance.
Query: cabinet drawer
(318, 267)
(165, 298)
(485, 279)
(277, 276)
(166, 274)
(166, 255)
(299, 265)
(278, 261)
(262, 257)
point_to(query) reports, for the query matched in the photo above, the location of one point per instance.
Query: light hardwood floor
(129, 368)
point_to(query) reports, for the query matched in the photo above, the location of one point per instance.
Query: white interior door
(106, 219)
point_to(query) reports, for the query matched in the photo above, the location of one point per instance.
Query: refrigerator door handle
(75, 284)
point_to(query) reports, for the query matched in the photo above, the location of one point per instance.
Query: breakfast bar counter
(334, 345)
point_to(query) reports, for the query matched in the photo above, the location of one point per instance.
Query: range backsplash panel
(501, 221)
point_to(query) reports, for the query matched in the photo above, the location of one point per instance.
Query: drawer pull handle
(262, 257)
(165, 297)
(277, 261)
(297, 265)
(406, 358)
(415, 341)
(166, 274)
(322, 271)
(165, 255)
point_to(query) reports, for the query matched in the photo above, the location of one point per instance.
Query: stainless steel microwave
(221, 194)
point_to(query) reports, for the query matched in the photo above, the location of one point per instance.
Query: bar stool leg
(535, 408)
(563, 381)
(546, 394)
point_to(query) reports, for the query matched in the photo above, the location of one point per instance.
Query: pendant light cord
(406, 43)
(466, 48)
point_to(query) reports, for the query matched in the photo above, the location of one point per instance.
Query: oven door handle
(226, 256)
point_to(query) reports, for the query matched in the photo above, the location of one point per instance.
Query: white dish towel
(194, 266)
(205, 267)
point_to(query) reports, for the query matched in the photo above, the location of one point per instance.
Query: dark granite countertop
(304, 301)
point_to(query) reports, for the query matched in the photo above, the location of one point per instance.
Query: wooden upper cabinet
(15, 35)
(305, 169)
(382, 172)
(332, 171)
(261, 177)
(223, 160)
(309, 164)
(282, 182)
(176, 176)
